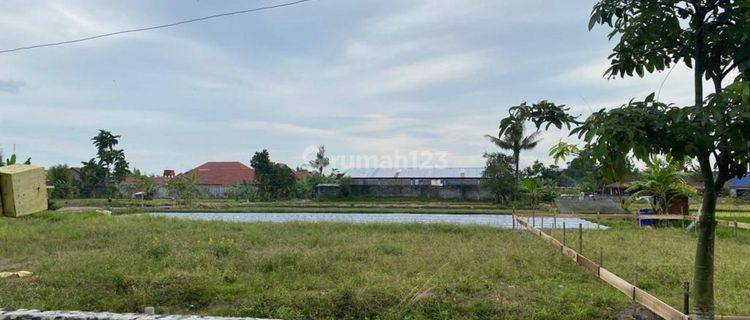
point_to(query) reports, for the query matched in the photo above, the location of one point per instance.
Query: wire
(154, 27)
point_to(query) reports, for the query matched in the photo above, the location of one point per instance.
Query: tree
(709, 36)
(144, 183)
(537, 189)
(244, 191)
(513, 139)
(62, 181)
(183, 187)
(321, 161)
(275, 180)
(498, 177)
(108, 168)
(664, 183)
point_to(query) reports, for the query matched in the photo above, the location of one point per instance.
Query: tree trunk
(703, 281)
(517, 158)
(704, 253)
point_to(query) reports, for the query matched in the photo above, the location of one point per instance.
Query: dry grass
(293, 271)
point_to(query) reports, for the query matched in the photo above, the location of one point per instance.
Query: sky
(378, 82)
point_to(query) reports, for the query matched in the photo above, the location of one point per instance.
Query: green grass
(84, 261)
(664, 258)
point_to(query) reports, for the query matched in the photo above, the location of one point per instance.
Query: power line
(154, 27)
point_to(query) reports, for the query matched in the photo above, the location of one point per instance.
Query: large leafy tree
(513, 139)
(275, 180)
(498, 178)
(108, 168)
(711, 37)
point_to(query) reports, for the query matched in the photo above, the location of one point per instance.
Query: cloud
(11, 86)
(424, 73)
(270, 127)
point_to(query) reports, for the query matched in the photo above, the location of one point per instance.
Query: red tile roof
(130, 179)
(223, 173)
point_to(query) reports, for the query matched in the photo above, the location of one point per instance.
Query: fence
(638, 295)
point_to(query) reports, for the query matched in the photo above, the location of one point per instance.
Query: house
(128, 186)
(740, 187)
(428, 183)
(215, 179)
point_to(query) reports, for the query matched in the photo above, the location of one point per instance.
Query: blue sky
(370, 78)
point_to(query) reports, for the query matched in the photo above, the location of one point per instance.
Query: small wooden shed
(23, 190)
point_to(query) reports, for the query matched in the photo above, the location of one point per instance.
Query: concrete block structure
(23, 190)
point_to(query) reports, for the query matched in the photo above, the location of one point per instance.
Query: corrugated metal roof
(742, 183)
(415, 173)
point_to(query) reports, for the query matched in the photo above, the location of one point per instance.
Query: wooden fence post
(597, 220)
(686, 297)
(554, 224)
(533, 220)
(514, 222)
(565, 237)
(580, 238)
(541, 225)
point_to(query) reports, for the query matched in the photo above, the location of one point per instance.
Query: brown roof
(300, 175)
(159, 181)
(223, 173)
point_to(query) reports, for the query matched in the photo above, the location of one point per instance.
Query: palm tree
(664, 182)
(321, 161)
(514, 140)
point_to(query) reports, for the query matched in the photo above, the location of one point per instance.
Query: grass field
(664, 260)
(87, 261)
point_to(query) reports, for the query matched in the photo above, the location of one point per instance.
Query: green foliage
(664, 182)
(562, 150)
(306, 187)
(537, 189)
(321, 161)
(144, 183)
(62, 181)
(653, 35)
(512, 138)
(244, 191)
(709, 36)
(222, 247)
(345, 187)
(275, 180)
(498, 177)
(184, 187)
(100, 174)
(158, 250)
(12, 160)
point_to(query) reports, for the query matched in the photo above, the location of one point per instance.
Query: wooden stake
(580, 238)
(554, 224)
(542, 223)
(514, 222)
(565, 237)
(597, 220)
(686, 297)
(533, 220)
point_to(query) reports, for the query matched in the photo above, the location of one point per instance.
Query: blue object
(647, 222)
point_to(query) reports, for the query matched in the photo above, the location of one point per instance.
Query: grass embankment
(354, 206)
(664, 258)
(123, 263)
